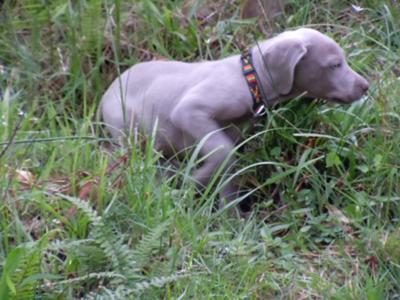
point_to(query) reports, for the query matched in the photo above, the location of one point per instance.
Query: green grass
(80, 221)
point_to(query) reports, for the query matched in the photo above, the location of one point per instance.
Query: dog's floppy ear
(281, 59)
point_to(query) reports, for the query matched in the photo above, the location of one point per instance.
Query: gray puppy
(191, 100)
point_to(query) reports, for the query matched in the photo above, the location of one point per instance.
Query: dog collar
(253, 82)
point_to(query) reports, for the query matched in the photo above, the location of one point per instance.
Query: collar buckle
(260, 111)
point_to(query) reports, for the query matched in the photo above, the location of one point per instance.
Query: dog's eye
(335, 66)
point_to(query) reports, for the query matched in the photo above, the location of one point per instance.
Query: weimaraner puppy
(192, 100)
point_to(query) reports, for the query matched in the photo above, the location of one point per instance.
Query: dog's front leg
(217, 146)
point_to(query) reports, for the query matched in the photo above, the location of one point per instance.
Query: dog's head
(307, 60)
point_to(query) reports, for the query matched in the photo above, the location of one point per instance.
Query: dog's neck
(265, 79)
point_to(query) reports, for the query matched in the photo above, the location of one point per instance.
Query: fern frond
(121, 257)
(21, 264)
(99, 275)
(149, 242)
(57, 244)
(125, 279)
(29, 266)
(122, 292)
(158, 282)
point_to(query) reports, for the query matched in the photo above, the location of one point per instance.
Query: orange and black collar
(256, 91)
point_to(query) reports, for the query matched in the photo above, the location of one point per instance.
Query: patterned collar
(256, 91)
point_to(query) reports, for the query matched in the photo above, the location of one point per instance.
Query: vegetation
(80, 221)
